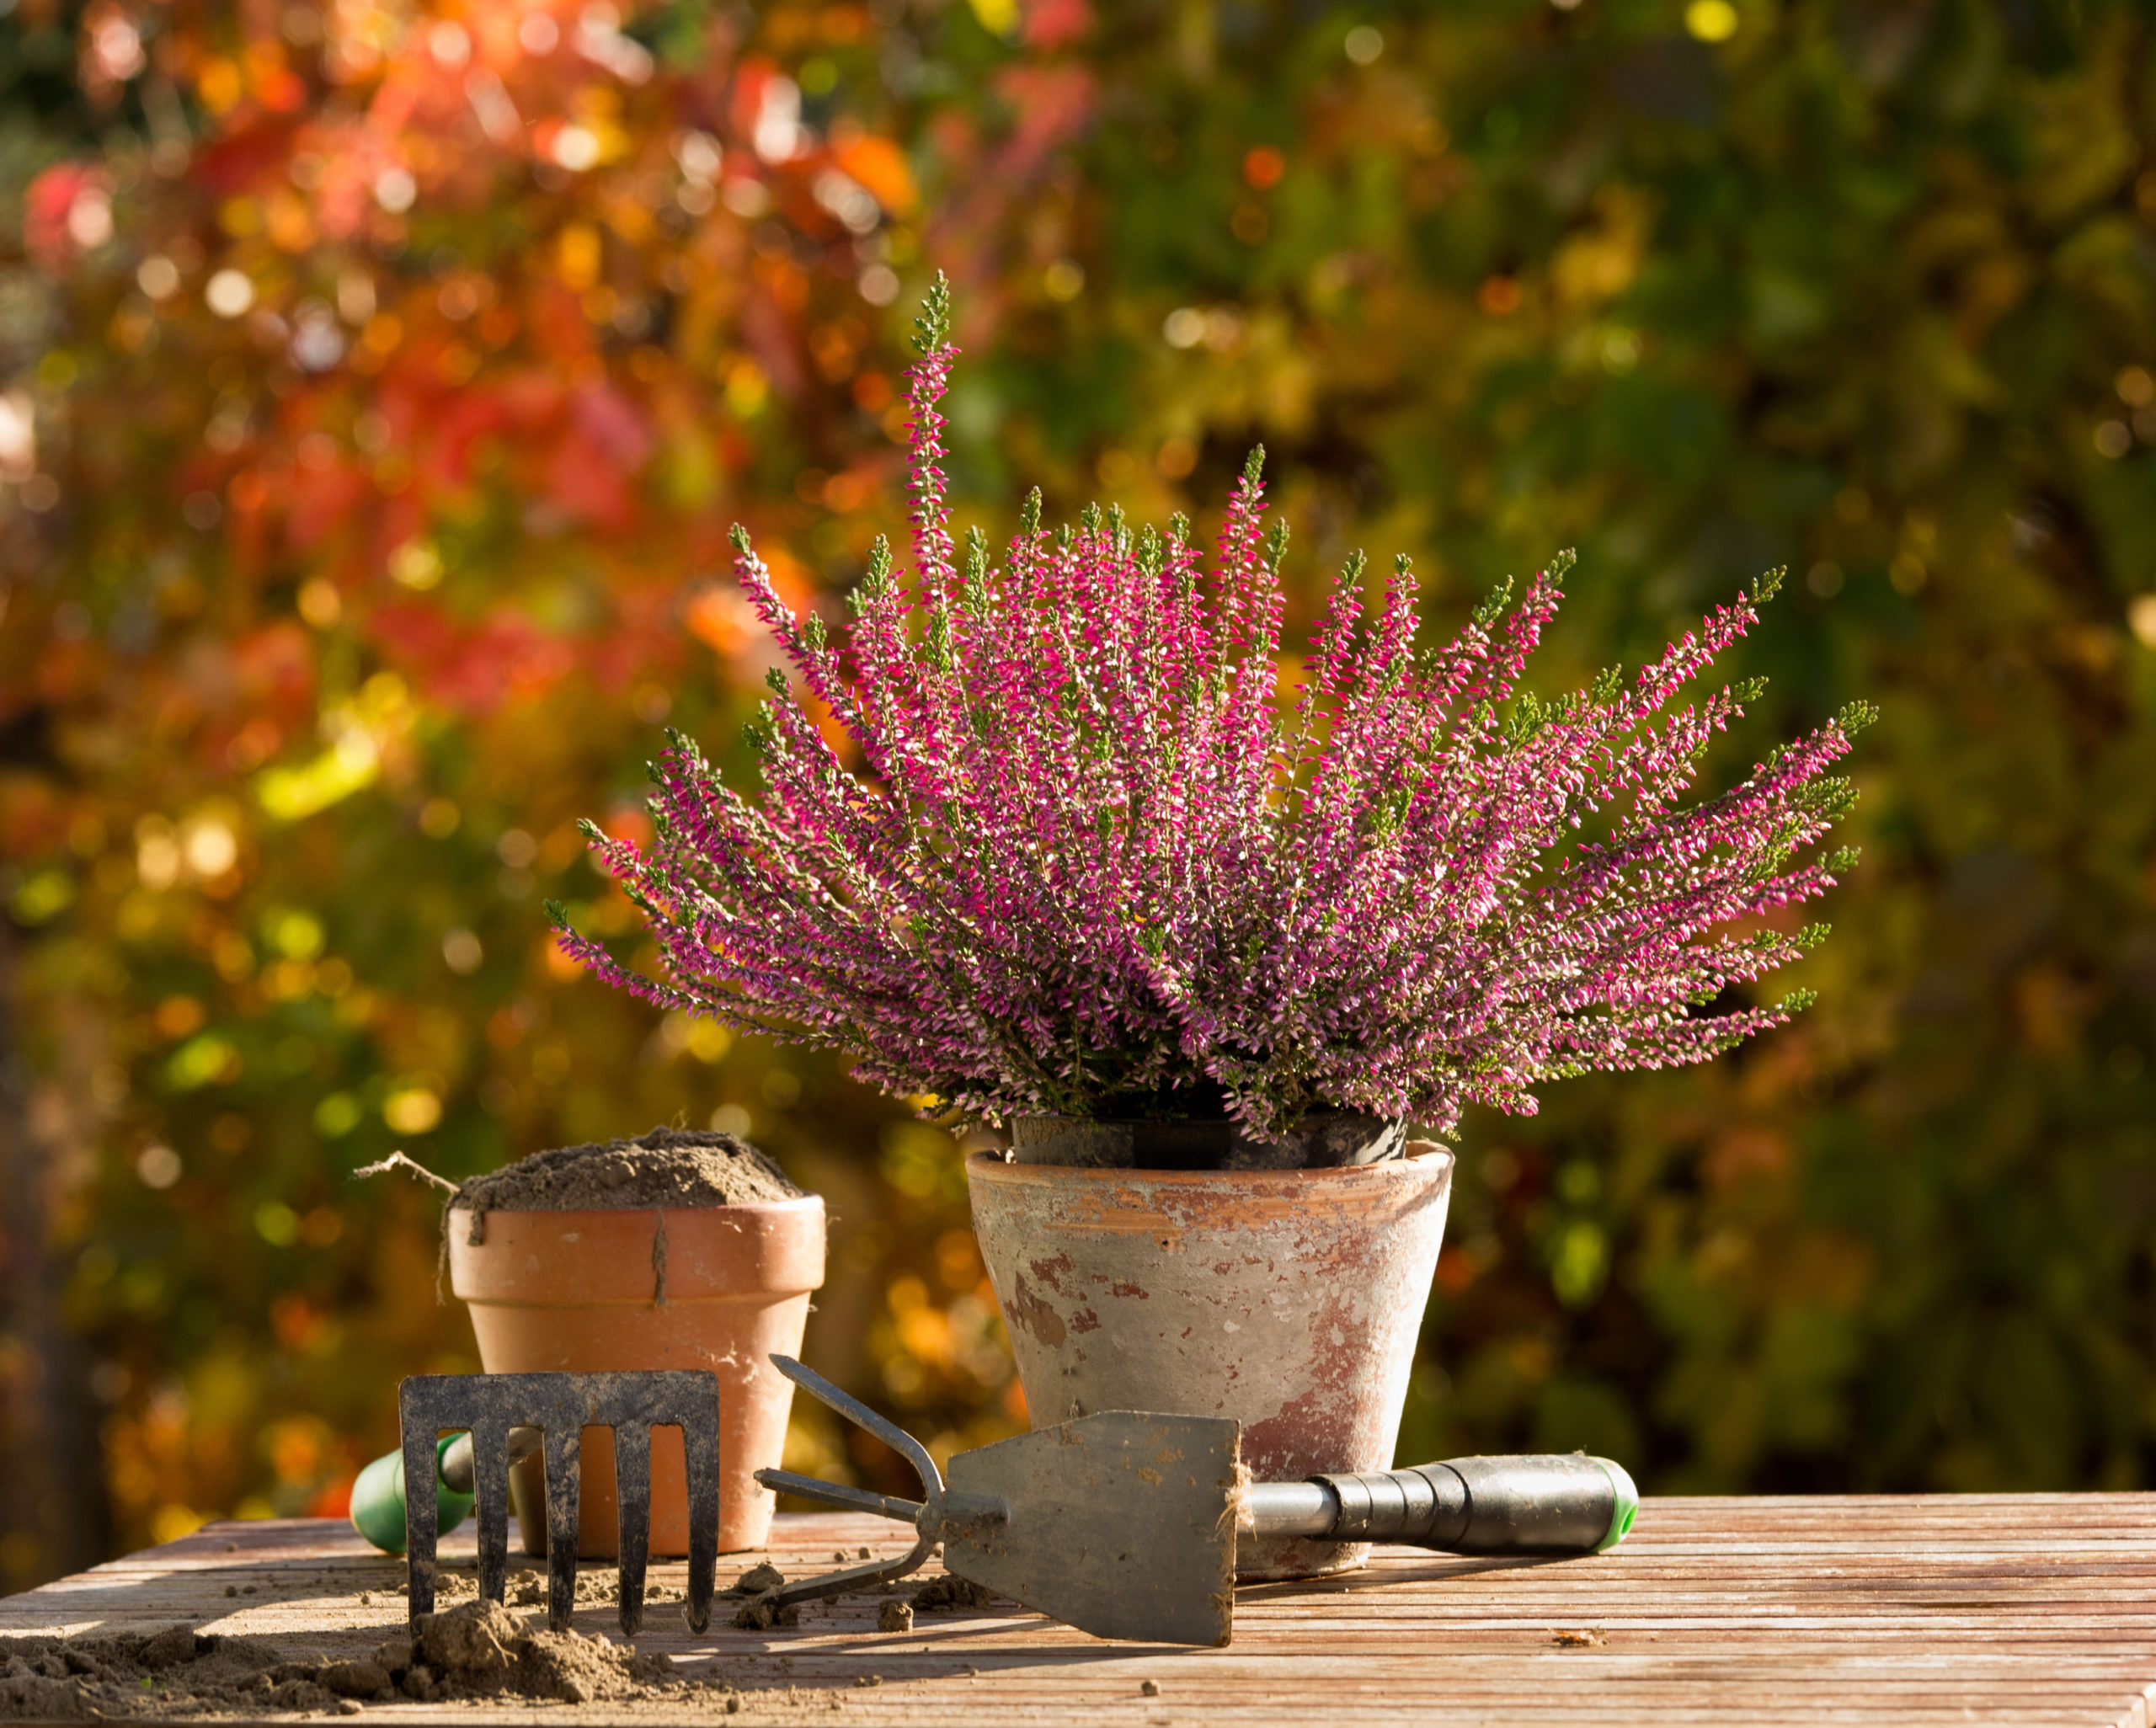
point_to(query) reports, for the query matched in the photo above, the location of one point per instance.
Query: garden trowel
(1123, 1524)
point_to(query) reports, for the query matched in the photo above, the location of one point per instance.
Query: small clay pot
(1290, 1300)
(715, 1286)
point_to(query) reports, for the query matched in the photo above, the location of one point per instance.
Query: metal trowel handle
(1535, 1503)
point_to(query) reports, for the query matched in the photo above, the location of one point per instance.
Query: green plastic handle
(378, 1500)
(1627, 1508)
(1517, 1503)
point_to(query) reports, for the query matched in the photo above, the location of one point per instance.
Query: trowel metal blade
(1121, 1524)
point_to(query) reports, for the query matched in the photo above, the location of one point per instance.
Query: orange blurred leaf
(880, 166)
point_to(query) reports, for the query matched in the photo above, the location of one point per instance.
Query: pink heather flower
(1090, 867)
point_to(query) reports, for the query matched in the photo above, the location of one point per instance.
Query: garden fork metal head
(507, 1416)
(1123, 1524)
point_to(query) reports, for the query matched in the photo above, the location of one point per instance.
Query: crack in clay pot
(675, 1250)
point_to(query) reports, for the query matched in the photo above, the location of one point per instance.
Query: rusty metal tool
(1123, 1524)
(505, 1418)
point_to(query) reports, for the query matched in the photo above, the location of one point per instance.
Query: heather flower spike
(1090, 866)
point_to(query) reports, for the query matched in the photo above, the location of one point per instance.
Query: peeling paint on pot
(1290, 1300)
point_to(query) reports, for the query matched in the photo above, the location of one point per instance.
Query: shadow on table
(958, 1643)
(1437, 1568)
(965, 1639)
(291, 1562)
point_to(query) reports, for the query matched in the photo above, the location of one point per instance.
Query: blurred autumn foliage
(378, 382)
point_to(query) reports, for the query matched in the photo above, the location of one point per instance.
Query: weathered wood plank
(2004, 1609)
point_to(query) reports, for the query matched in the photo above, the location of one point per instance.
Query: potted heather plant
(1219, 955)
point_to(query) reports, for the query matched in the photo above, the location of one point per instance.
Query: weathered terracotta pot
(717, 1287)
(1290, 1300)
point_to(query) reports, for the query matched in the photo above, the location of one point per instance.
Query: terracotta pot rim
(990, 1165)
(801, 1201)
(762, 1298)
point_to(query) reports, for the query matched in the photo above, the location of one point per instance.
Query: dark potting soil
(477, 1654)
(475, 1651)
(1322, 1140)
(667, 1167)
(469, 1653)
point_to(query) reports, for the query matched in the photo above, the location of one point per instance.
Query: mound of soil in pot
(675, 1167)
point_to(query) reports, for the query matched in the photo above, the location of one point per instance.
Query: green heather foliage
(1865, 290)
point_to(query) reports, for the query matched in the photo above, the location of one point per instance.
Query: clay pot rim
(992, 1166)
(777, 1206)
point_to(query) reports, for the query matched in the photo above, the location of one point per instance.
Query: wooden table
(2011, 1608)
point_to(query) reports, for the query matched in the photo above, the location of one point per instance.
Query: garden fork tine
(560, 1407)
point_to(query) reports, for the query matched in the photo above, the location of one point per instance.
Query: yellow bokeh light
(413, 1111)
(1710, 20)
(169, 1522)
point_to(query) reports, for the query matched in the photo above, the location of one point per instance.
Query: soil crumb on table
(594, 1586)
(677, 1167)
(950, 1592)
